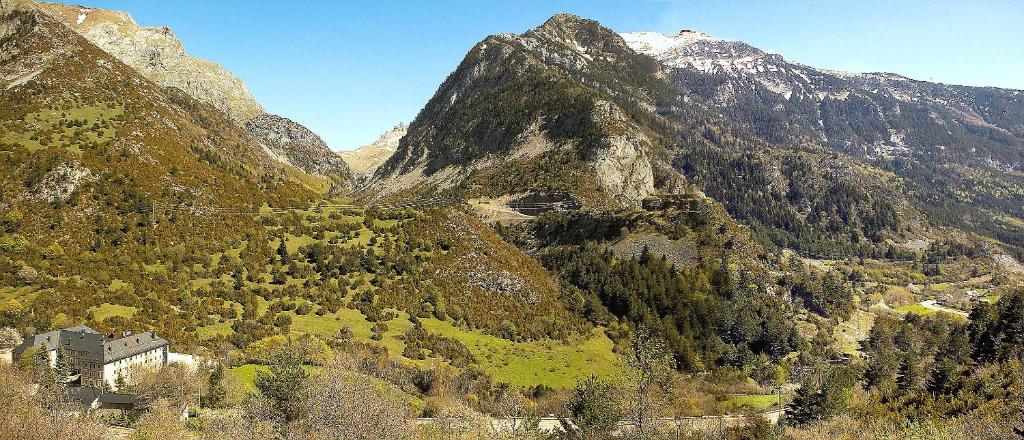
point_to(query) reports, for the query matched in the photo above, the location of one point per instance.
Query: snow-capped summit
(700, 51)
(656, 43)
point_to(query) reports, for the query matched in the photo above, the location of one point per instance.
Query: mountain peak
(159, 55)
(568, 25)
(654, 43)
(366, 159)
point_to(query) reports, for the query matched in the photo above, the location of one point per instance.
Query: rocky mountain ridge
(160, 56)
(365, 160)
(897, 116)
(576, 126)
(157, 54)
(812, 158)
(294, 144)
(957, 148)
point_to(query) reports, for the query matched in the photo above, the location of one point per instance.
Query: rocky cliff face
(365, 160)
(956, 147)
(157, 54)
(869, 115)
(296, 145)
(554, 109)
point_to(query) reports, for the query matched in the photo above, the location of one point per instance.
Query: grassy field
(914, 308)
(749, 403)
(551, 363)
(991, 299)
(23, 295)
(52, 119)
(327, 326)
(105, 310)
(849, 334)
(209, 331)
(246, 374)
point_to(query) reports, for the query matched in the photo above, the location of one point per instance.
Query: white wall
(151, 360)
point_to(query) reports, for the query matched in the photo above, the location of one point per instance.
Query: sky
(351, 70)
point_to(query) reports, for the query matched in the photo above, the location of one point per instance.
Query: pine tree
(62, 366)
(215, 391)
(909, 376)
(283, 385)
(282, 253)
(43, 371)
(806, 407)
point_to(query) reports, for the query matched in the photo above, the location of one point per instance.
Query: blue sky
(350, 70)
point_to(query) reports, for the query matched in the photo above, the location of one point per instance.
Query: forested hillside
(635, 241)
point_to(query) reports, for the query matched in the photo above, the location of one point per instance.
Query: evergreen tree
(283, 385)
(910, 375)
(62, 366)
(282, 253)
(215, 391)
(593, 408)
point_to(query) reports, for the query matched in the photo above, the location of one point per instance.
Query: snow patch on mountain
(83, 14)
(658, 43)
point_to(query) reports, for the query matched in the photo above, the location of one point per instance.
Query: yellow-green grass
(317, 184)
(1013, 221)
(212, 330)
(51, 118)
(293, 242)
(384, 223)
(915, 308)
(327, 326)
(749, 403)
(155, 268)
(849, 334)
(363, 237)
(107, 310)
(551, 363)
(23, 295)
(246, 374)
(117, 284)
(991, 299)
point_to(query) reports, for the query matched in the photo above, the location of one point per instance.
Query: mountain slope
(522, 103)
(365, 160)
(160, 56)
(569, 111)
(88, 141)
(115, 190)
(157, 54)
(960, 149)
(295, 144)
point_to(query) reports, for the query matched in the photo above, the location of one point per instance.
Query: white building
(98, 360)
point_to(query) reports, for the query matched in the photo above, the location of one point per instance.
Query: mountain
(960, 149)
(554, 109)
(868, 115)
(117, 190)
(157, 54)
(296, 145)
(365, 160)
(570, 113)
(88, 141)
(813, 159)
